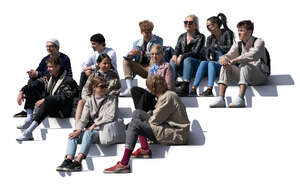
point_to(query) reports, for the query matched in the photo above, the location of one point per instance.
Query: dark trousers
(34, 92)
(51, 108)
(82, 81)
(139, 125)
(143, 99)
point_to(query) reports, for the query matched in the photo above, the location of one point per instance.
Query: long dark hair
(220, 20)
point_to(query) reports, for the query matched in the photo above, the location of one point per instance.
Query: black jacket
(226, 41)
(194, 49)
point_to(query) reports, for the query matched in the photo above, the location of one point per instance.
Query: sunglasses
(102, 86)
(188, 22)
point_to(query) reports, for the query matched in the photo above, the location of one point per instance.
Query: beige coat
(250, 55)
(106, 114)
(169, 121)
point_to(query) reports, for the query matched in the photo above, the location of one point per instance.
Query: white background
(253, 150)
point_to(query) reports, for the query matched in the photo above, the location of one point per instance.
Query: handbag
(112, 133)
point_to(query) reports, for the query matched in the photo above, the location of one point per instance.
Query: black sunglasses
(102, 86)
(188, 22)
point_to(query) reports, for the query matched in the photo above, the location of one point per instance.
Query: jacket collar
(141, 41)
(58, 83)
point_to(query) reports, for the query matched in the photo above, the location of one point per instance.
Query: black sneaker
(193, 93)
(207, 93)
(20, 114)
(63, 167)
(74, 167)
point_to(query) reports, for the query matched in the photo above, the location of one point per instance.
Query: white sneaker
(218, 103)
(26, 124)
(126, 93)
(25, 137)
(237, 103)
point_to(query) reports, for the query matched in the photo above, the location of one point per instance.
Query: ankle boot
(183, 90)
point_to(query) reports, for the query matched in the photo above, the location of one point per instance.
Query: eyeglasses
(102, 86)
(50, 46)
(188, 22)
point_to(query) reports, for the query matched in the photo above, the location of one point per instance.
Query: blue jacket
(154, 40)
(65, 62)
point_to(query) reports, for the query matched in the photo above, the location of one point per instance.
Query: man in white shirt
(245, 66)
(98, 45)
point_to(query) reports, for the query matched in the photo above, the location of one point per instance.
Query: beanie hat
(54, 41)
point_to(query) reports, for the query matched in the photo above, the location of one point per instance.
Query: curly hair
(146, 26)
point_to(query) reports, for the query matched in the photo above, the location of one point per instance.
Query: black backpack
(268, 62)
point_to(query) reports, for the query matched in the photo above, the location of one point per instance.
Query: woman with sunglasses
(101, 109)
(188, 53)
(217, 44)
(103, 69)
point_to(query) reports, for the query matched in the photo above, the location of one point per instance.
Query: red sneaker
(140, 153)
(118, 168)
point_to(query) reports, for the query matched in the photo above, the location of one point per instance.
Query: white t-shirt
(92, 59)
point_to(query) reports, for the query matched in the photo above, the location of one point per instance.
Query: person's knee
(81, 102)
(187, 60)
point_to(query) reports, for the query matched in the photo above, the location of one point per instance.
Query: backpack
(168, 53)
(268, 62)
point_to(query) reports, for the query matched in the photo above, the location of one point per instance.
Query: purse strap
(100, 105)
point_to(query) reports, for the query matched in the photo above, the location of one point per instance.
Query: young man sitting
(245, 67)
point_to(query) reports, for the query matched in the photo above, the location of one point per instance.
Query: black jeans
(34, 91)
(82, 81)
(143, 99)
(138, 126)
(51, 108)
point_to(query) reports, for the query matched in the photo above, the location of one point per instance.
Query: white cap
(54, 41)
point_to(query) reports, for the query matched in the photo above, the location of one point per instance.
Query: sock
(144, 143)
(126, 156)
(29, 113)
(30, 129)
(128, 83)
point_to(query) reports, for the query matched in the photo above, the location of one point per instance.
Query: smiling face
(105, 65)
(99, 47)
(53, 69)
(211, 27)
(52, 49)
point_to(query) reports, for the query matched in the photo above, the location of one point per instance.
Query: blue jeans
(207, 68)
(187, 68)
(86, 138)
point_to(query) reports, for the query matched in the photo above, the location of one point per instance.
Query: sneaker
(63, 167)
(140, 153)
(237, 103)
(218, 103)
(25, 137)
(75, 166)
(118, 168)
(26, 124)
(193, 92)
(126, 93)
(20, 114)
(207, 93)
(183, 90)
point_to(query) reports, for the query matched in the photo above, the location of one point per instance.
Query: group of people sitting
(159, 116)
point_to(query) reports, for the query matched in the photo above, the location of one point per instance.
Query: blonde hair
(157, 84)
(95, 82)
(195, 19)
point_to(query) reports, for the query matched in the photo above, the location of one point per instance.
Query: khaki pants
(130, 67)
(246, 74)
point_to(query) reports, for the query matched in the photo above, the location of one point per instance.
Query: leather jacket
(226, 41)
(194, 49)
